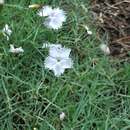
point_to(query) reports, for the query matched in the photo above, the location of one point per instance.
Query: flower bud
(34, 6)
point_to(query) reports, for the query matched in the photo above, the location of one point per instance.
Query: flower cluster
(7, 32)
(59, 58)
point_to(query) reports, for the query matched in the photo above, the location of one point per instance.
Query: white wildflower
(55, 17)
(16, 50)
(62, 116)
(58, 60)
(88, 30)
(105, 49)
(7, 31)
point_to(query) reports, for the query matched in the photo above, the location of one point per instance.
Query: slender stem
(7, 96)
(15, 6)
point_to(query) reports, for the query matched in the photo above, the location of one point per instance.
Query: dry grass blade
(113, 17)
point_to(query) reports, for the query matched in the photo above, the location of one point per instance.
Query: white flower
(55, 17)
(6, 31)
(58, 60)
(16, 50)
(105, 49)
(45, 11)
(62, 116)
(88, 30)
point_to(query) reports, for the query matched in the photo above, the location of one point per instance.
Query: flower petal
(58, 70)
(7, 30)
(52, 23)
(15, 50)
(58, 14)
(55, 18)
(45, 11)
(66, 63)
(59, 52)
(65, 52)
(50, 62)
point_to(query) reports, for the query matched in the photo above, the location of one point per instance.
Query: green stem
(15, 6)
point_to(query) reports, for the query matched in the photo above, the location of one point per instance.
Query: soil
(113, 18)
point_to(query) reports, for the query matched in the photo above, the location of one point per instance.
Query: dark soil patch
(113, 17)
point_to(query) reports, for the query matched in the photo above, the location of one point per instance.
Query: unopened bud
(34, 6)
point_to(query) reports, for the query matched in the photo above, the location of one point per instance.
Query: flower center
(58, 59)
(54, 15)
